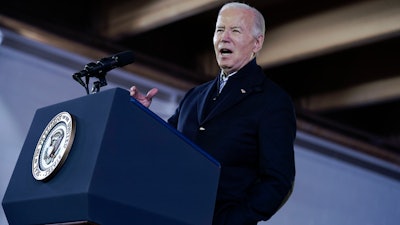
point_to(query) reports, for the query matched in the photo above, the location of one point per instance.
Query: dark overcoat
(250, 129)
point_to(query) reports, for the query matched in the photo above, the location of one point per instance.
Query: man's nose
(225, 36)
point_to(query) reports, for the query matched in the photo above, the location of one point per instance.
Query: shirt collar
(225, 77)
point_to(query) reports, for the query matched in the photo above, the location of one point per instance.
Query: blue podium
(125, 166)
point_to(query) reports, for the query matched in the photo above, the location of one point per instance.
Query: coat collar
(246, 81)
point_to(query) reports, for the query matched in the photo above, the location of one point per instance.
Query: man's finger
(150, 94)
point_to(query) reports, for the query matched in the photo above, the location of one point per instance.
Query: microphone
(99, 68)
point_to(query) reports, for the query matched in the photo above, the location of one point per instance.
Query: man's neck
(225, 75)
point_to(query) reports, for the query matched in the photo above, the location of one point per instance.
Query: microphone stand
(100, 83)
(96, 85)
(100, 68)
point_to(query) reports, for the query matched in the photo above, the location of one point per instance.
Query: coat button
(202, 128)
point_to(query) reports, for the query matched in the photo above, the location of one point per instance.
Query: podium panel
(126, 166)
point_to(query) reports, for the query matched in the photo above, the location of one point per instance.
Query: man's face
(234, 43)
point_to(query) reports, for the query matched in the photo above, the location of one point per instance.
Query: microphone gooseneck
(100, 68)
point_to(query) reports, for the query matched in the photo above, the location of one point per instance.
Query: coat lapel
(239, 86)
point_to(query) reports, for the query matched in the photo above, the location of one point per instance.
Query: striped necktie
(222, 81)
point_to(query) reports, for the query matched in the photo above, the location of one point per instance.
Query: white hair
(259, 22)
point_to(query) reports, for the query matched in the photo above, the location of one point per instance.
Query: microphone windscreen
(124, 58)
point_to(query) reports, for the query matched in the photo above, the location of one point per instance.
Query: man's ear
(258, 44)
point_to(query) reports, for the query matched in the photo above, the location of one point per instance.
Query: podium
(125, 166)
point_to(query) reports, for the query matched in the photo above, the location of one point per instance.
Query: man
(249, 127)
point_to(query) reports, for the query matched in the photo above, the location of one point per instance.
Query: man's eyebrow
(236, 27)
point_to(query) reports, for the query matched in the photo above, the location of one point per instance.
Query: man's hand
(144, 99)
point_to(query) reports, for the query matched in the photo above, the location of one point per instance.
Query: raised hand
(144, 99)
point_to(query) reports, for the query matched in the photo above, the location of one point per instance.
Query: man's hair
(259, 22)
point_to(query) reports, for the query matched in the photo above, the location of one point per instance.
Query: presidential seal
(53, 146)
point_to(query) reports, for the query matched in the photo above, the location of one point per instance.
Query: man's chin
(224, 67)
(224, 64)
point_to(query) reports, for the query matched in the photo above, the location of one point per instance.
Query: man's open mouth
(225, 51)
